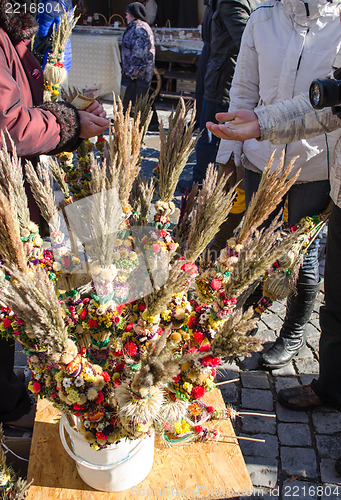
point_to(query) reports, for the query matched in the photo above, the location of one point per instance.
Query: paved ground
(297, 458)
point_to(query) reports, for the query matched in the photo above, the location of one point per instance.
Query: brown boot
(299, 397)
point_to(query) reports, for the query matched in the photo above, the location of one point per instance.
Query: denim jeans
(328, 385)
(304, 199)
(207, 145)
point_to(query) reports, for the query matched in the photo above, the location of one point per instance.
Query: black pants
(14, 398)
(134, 90)
(328, 385)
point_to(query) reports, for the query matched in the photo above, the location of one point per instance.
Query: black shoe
(299, 397)
(281, 353)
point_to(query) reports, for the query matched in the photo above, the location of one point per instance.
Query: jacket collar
(303, 12)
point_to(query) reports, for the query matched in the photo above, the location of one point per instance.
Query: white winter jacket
(286, 44)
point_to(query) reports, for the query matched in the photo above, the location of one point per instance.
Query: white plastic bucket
(116, 468)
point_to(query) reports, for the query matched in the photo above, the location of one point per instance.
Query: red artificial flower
(106, 376)
(198, 337)
(192, 321)
(7, 322)
(156, 248)
(113, 421)
(129, 327)
(216, 361)
(198, 391)
(204, 347)
(130, 348)
(92, 323)
(86, 300)
(198, 428)
(83, 314)
(59, 65)
(189, 266)
(177, 378)
(207, 361)
(213, 372)
(77, 407)
(120, 308)
(142, 307)
(99, 398)
(116, 320)
(118, 354)
(116, 382)
(210, 409)
(192, 350)
(228, 413)
(100, 436)
(36, 387)
(216, 284)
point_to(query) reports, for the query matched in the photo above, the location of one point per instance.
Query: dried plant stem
(213, 207)
(11, 246)
(175, 148)
(270, 192)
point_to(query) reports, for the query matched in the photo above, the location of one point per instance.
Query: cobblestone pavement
(297, 458)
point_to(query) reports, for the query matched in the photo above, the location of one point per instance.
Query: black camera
(327, 92)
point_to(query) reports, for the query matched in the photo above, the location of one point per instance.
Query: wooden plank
(199, 470)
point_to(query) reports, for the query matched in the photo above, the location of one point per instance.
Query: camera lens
(315, 94)
(323, 93)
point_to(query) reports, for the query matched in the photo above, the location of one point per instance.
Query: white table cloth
(95, 61)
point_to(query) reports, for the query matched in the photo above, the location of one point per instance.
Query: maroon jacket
(49, 128)
(35, 127)
(52, 127)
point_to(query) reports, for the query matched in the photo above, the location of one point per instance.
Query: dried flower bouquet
(104, 315)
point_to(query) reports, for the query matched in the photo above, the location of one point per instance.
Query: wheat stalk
(270, 192)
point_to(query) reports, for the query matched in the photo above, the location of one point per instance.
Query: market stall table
(199, 470)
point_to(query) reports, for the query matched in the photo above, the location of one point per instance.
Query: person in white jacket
(288, 121)
(285, 45)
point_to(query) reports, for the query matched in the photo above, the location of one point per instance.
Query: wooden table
(201, 470)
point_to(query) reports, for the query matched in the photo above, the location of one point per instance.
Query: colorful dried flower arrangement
(54, 71)
(104, 315)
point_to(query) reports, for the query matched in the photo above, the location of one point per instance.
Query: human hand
(241, 125)
(91, 124)
(96, 109)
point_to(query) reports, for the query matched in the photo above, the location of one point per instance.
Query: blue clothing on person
(52, 12)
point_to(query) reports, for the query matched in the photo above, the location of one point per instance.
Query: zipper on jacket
(299, 59)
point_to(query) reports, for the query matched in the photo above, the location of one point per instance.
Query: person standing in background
(204, 56)
(286, 44)
(229, 18)
(137, 55)
(48, 19)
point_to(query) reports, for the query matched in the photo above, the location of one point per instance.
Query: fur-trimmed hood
(18, 26)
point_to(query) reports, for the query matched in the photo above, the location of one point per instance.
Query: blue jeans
(304, 199)
(207, 145)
